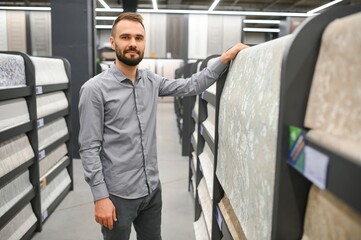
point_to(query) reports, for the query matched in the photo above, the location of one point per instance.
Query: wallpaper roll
(231, 219)
(52, 132)
(206, 159)
(49, 71)
(14, 191)
(248, 127)
(14, 152)
(200, 228)
(19, 225)
(13, 113)
(52, 159)
(12, 71)
(49, 103)
(334, 101)
(211, 112)
(53, 190)
(3, 32)
(206, 204)
(329, 218)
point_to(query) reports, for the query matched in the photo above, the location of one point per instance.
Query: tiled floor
(73, 219)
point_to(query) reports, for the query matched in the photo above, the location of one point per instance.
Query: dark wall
(72, 24)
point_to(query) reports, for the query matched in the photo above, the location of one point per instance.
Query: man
(117, 135)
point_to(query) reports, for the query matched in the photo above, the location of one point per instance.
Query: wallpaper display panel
(16, 26)
(157, 35)
(206, 204)
(49, 71)
(52, 132)
(248, 121)
(14, 191)
(197, 30)
(176, 45)
(223, 33)
(167, 67)
(14, 152)
(334, 108)
(19, 225)
(40, 26)
(13, 112)
(12, 71)
(3, 32)
(52, 159)
(54, 189)
(329, 218)
(49, 103)
(200, 228)
(206, 159)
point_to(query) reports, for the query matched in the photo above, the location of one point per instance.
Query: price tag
(39, 90)
(40, 122)
(41, 154)
(316, 166)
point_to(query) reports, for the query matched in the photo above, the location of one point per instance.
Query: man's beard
(128, 61)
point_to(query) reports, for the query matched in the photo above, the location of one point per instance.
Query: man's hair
(130, 16)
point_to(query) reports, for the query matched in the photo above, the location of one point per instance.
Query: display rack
(30, 93)
(291, 186)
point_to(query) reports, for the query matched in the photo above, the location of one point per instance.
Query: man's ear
(111, 39)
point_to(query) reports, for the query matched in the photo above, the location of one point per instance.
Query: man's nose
(133, 42)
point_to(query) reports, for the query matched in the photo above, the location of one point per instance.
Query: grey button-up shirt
(117, 135)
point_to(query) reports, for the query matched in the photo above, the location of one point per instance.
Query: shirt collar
(120, 76)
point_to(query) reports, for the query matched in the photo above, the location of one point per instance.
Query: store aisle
(73, 219)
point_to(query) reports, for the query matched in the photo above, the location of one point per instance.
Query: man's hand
(231, 53)
(105, 213)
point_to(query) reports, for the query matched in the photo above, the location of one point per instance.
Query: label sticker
(40, 122)
(41, 154)
(39, 90)
(316, 166)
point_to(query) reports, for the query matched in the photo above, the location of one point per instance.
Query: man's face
(128, 42)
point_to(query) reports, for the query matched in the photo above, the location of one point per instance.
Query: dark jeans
(145, 213)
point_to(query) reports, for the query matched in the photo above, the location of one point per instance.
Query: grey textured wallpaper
(12, 71)
(248, 122)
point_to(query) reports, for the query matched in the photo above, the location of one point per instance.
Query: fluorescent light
(155, 5)
(105, 18)
(109, 10)
(214, 4)
(103, 26)
(261, 30)
(105, 5)
(262, 21)
(324, 6)
(27, 8)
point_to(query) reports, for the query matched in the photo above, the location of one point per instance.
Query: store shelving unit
(343, 177)
(30, 129)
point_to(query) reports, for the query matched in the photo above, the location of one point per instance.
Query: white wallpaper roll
(14, 191)
(157, 35)
(206, 204)
(197, 30)
(19, 225)
(52, 159)
(40, 27)
(13, 112)
(3, 32)
(200, 228)
(335, 96)
(16, 30)
(248, 127)
(206, 159)
(49, 103)
(12, 71)
(14, 152)
(49, 71)
(52, 132)
(54, 189)
(329, 218)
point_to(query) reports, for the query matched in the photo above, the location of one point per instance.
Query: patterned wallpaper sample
(19, 225)
(16, 25)
(52, 159)
(12, 71)
(49, 103)
(248, 120)
(334, 102)
(49, 71)
(14, 152)
(329, 218)
(51, 132)
(13, 112)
